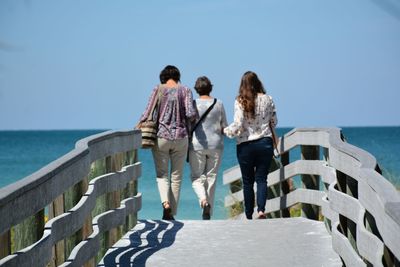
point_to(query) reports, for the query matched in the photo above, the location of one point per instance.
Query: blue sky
(92, 64)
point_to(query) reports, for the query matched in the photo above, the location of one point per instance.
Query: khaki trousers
(204, 166)
(165, 153)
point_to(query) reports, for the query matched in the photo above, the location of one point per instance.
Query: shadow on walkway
(147, 238)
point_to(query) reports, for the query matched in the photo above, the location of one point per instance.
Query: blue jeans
(254, 159)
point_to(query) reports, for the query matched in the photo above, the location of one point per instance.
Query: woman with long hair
(254, 116)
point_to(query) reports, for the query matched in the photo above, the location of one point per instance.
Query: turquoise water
(23, 152)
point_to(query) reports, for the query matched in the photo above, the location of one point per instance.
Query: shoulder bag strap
(203, 116)
(155, 106)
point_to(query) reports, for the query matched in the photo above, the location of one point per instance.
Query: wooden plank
(5, 244)
(87, 226)
(28, 231)
(59, 248)
(285, 185)
(113, 164)
(310, 182)
(71, 198)
(274, 191)
(87, 229)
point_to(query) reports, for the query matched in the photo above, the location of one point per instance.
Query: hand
(138, 126)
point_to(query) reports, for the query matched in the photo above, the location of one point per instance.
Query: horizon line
(108, 129)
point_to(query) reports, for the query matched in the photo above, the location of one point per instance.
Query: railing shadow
(143, 243)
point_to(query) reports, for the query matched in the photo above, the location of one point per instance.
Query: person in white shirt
(254, 115)
(206, 146)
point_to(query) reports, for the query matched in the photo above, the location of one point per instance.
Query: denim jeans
(254, 159)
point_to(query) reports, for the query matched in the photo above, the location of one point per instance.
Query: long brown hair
(250, 85)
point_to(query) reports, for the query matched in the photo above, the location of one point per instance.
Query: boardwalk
(91, 195)
(272, 242)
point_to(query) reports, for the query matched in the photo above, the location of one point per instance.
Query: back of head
(203, 86)
(170, 72)
(250, 86)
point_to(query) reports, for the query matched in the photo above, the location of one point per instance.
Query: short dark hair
(170, 72)
(203, 86)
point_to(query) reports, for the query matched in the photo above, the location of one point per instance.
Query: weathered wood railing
(91, 198)
(360, 207)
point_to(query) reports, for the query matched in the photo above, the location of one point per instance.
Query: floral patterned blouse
(175, 111)
(245, 129)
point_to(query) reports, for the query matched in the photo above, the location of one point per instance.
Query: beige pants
(204, 166)
(164, 152)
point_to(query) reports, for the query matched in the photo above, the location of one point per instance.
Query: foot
(206, 211)
(261, 215)
(167, 212)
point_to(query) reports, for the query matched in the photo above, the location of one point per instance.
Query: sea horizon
(123, 129)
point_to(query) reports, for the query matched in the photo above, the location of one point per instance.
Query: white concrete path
(271, 242)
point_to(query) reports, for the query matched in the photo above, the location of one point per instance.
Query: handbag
(197, 124)
(150, 126)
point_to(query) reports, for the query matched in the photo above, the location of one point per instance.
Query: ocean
(24, 152)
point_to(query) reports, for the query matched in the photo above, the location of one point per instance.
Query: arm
(192, 123)
(223, 122)
(152, 99)
(190, 110)
(272, 124)
(235, 127)
(274, 117)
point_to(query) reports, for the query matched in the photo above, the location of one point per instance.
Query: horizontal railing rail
(342, 185)
(72, 210)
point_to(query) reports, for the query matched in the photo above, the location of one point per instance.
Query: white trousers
(204, 166)
(167, 152)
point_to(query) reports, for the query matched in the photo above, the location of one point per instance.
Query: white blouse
(245, 129)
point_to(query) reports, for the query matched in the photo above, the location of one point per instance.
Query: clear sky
(92, 64)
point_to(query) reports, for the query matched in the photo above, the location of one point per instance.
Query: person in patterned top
(175, 110)
(254, 116)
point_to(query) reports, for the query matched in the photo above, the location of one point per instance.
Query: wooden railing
(340, 184)
(69, 212)
(72, 210)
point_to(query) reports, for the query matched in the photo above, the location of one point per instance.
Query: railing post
(285, 185)
(87, 229)
(5, 244)
(98, 168)
(310, 182)
(325, 155)
(113, 199)
(71, 198)
(352, 190)
(348, 185)
(131, 157)
(341, 186)
(274, 191)
(56, 208)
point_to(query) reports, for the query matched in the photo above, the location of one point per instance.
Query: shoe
(206, 212)
(262, 216)
(167, 212)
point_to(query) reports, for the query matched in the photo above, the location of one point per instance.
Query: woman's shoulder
(265, 98)
(219, 102)
(183, 87)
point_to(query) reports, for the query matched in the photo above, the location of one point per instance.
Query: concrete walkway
(271, 242)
